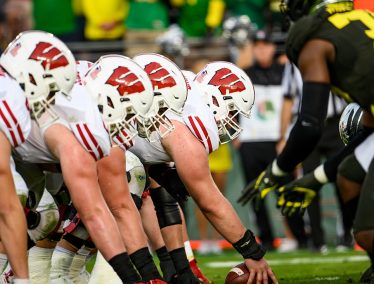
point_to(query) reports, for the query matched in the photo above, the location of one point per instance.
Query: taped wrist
(248, 247)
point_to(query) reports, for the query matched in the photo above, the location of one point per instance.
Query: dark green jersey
(352, 34)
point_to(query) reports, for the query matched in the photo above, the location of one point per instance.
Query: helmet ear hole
(215, 102)
(32, 79)
(109, 102)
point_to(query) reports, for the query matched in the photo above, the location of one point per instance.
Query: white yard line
(300, 260)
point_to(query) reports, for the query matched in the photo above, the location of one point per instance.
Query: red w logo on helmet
(159, 76)
(227, 81)
(50, 56)
(125, 81)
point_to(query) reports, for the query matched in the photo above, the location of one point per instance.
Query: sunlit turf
(299, 267)
(294, 267)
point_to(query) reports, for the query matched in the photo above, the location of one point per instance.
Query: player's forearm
(308, 127)
(114, 186)
(224, 218)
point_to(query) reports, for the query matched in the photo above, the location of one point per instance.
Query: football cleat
(198, 273)
(7, 277)
(153, 281)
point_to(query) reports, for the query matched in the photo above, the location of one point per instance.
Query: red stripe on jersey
(205, 133)
(123, 143)
(85, 141)
(97, 146)
(195, 128)
(9, 128)
(15, 121)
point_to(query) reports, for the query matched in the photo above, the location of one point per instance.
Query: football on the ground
(239, 275)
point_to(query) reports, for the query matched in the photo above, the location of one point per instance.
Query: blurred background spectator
(17, 17)
(201, 18)
(146, 21)
(257, 142)
(57, 17)
(104, 19)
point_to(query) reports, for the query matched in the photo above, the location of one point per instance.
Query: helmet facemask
(120, 120)
(156, 125)
(170, 93)
(124, 94)
(41, 94)
(226, 114)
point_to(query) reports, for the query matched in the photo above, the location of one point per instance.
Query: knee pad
(20, 185)
(168, 177)
(47, 223)
(166, 206)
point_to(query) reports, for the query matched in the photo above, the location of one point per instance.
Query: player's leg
(190, 255)
(170, 222)
(40, 232)
(364, 226)
(156, 241)
(80, 175)
(78, 272)
(353, 181)
(12, 218)
(40, 257)
(114, 186)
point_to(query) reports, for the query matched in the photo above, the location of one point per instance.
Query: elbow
(79, 164)
(310, 128)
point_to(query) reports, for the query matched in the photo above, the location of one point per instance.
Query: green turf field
(296, 267)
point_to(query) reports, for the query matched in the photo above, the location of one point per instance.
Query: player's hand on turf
(296, 196)
(260, 272)
(261, 186)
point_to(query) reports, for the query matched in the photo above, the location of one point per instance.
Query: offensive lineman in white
(229, 92)
(69, 131)
(15, 126)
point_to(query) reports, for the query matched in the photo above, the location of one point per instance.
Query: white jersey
(196, 115)
(80, 114)
(15, 120)
(19, 183)
(365, 152)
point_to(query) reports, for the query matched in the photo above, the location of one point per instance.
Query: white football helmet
(42, 64)
(228, 91)
(123, 93)
(136, 174)
(350, 122)
(170, 91)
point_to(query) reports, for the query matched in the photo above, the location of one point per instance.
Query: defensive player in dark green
(333, 46)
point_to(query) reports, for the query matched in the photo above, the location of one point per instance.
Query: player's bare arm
(12, 218)
(80, 175)
(314, 59)
(191, 161)
(116, 192)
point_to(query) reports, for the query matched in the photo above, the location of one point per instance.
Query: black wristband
(248, 247)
